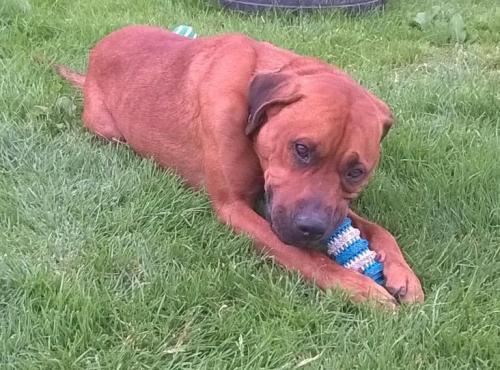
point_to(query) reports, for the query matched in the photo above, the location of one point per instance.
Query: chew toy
(185, 31)
(348, 249)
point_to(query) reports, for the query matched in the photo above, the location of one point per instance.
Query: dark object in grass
(256, 5)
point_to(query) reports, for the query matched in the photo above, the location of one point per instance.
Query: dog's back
(139, 67)
(139, 89)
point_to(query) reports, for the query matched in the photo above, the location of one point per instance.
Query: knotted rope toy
(185, 31)
(348, 249)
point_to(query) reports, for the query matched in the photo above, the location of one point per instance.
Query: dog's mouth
(268, 198)
(263, 206)
(291, 237)
(283, 224)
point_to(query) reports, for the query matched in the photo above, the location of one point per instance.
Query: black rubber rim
(258, 5)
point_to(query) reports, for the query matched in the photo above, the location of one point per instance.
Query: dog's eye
(355, 174)
(302, 152)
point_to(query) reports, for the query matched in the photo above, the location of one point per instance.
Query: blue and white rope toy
(348, 249)
(185, 31)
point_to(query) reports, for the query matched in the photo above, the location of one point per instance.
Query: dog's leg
(96, 116)
(400, 280)
(312, 265)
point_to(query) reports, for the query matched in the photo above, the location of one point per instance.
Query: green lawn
(107, 261)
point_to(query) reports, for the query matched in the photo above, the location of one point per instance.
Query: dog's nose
(311, 225)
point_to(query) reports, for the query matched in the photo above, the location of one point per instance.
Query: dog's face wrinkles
(315, 165)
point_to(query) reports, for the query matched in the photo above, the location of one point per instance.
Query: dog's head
(318, 141)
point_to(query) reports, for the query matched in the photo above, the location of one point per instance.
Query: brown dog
(240, 117)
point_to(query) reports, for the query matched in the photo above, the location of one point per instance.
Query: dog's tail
(75, 78)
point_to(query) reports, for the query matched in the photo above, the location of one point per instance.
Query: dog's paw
(318, 267)
(362, 288)
(402, 283)
(368, 290)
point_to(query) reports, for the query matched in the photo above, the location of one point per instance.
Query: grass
(107, 261)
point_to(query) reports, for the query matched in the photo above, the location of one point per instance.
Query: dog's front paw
(402, 283)
(363, 288)
(359, 287)
(318, 267)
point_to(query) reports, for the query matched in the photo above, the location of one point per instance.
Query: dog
(240, 117)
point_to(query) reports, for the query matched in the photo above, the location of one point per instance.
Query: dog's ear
(269, 90)
(386, 125)
(387, 118)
